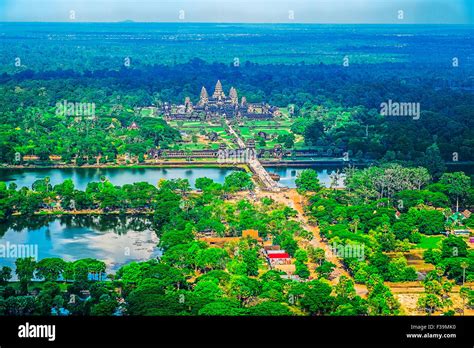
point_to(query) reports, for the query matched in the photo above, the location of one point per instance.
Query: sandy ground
(408, 294)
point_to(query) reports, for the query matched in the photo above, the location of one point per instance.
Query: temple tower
(218, 92)
(233, 96)
(204, 97)
(188, 105)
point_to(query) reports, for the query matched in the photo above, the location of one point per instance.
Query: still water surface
(112, 239)
(120, 176)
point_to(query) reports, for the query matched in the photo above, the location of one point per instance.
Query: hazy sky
(267, 11)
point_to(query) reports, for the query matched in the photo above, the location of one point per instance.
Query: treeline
(43, 133)
(334, 105)
(278, 84)
(439, 135)
(103, 195)
(158, 288)
(84, 291)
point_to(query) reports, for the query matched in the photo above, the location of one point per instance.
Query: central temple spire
(218, 92)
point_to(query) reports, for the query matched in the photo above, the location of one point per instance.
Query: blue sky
(260, 11)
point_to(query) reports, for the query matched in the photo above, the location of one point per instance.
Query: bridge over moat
(255, 165)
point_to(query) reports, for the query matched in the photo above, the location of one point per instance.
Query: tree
(429, 302)
(307, 181)
(211, 258)
(453, 246)
(208, 289)
(65, 189)
(238, 181)
(5, 274)
(20, 305)
(317, 298)
(436, 295)
(428, 221)
(317, 255)
(326, 269)
(432, 256)
(301, 255)
(251, 260)
(174, 237)
(385, 181)
(433, 161)
(458, 185)
(380, 299)
(313, 132)
(25, 268)
(150, 299)
(454, 268)
(203, 183)
(464, 265)
(244, 288)
(287, 242)
(181, 185)
(398, 270)
(345, 288)
(105, 307)
(166, 206)
(302, 270)
(49, 295)
(50, 268)
(42, 185)
(402, 230)
(222, 308)
(288, 140)
(465, 293)
(411, 198)
(269, 308)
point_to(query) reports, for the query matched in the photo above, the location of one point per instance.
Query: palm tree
(439, 272)
(355, 223)
(464, 265)
(464, 293)
(319, 255)
(46, 183)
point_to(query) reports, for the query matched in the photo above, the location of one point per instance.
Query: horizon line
(199, 22)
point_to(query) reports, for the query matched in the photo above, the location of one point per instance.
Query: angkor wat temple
(217, 106)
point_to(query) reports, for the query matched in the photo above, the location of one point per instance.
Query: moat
(120, 176)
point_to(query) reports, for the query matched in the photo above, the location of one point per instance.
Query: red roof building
(278, 256)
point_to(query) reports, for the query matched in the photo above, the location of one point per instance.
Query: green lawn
(248, 130)
(146, 113)
(430, 242)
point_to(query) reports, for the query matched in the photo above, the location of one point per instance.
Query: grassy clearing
(430, 242)
(248, 130)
